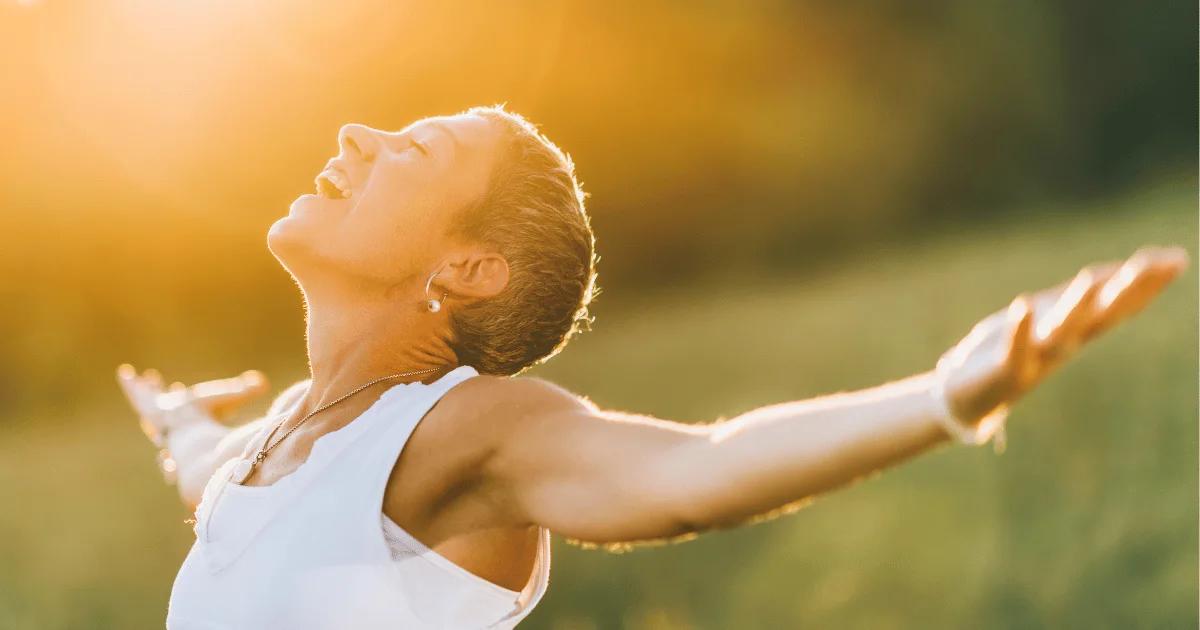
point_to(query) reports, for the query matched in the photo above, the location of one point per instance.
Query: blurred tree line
(150, 145)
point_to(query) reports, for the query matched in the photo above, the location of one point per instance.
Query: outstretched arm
(183, 421)
(608, 477)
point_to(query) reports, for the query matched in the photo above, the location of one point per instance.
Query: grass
(1089, 520)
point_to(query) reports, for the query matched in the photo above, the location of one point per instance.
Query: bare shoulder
(499, 409)
(512, 398)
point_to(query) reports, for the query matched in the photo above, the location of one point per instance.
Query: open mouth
(333, 185)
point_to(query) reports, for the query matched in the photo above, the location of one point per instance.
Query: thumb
(226, 395)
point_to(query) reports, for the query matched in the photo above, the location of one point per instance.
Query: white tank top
(314, 550)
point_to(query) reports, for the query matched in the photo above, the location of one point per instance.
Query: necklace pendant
(241, 472)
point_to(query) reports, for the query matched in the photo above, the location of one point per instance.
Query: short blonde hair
(533, 214)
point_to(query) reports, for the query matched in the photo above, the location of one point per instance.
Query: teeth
(332, 185)
(325, 188)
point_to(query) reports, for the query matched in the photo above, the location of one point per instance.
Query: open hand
(1011, 351)
(162, 409)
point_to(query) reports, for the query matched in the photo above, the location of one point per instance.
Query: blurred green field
(1088, 521)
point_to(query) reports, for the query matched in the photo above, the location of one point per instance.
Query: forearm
(194, 443)
(778, 455)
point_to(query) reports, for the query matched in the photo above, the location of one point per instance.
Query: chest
(304, 535)
(430, 478)
(285, 445)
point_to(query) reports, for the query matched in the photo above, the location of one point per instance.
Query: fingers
(140, 390)
(255, 379)
(251, 382)
(225, 395)
(126, 378)
(1064, 326)
(1118, 289)
(1101, 272)
(219, 397)
(143, 392)
(152, 379)
(1040, 330)
(1161, 265)
(1020, 343)
(1137, 282)
(1044, 301)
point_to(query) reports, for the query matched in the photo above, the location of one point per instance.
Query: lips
(333, 184)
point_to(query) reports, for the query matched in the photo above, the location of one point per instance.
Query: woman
(410, 483)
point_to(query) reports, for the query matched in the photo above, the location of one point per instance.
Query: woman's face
(383, 206)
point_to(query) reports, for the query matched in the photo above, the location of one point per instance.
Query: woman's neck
(354, 340)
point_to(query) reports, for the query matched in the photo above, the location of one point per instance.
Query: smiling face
(481, 205)
(384, 206)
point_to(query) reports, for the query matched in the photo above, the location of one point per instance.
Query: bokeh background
(790, 199)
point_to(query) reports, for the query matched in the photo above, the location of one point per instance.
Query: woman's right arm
(183, 421)
(199, 448)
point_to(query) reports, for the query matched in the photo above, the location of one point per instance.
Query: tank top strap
(389, 436)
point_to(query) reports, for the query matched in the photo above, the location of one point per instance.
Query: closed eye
(420, 146)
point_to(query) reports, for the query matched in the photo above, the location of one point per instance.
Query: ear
(475, 275)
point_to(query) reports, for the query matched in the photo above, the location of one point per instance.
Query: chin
(294, 232)
(283, 234)
(303, 219)
(291, 247)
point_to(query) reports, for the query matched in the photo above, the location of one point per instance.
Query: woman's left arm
(609, 477)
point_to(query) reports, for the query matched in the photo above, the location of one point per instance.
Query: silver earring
(434, 305)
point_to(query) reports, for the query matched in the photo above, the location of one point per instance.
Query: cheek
(396, 227)
(414, 218)
(380, 243)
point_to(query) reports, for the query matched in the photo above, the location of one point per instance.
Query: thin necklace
(243, 469)
(246, 467)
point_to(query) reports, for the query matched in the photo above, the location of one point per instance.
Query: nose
(359, 141)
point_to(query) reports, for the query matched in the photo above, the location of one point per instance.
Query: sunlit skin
(532, 454)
